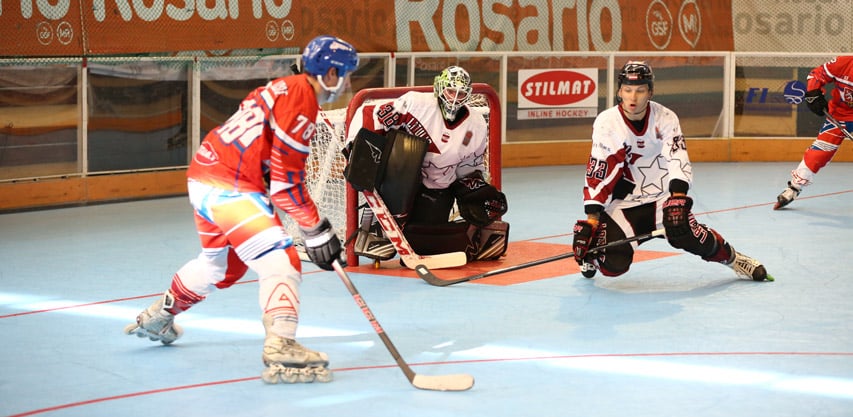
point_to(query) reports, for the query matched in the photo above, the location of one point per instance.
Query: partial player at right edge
(840, 72)
(422, 153)
(637, 180)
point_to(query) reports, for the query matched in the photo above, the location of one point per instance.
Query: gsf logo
(660, 23)
(63, 33)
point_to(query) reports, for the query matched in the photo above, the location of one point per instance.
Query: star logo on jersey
(654, 177)
(686, 167)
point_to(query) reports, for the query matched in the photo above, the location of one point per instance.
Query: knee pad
(278, 281)
(614, 261)
(201, 275)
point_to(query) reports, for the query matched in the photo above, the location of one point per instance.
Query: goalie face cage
(335, 199)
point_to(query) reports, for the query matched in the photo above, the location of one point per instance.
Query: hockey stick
(431, 279)
(454, 382)
(407, 254)
(838, 125)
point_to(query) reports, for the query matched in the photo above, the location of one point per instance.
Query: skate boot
(787, 196)
(372, 244)
(156, 323)
(289, 362)
(748, 268)
(588, 270)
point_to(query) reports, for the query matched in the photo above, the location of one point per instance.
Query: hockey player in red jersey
(838, 71)
(637, 180)
(267, 137)
(451, 171)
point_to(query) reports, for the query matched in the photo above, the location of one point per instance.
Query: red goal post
(486, 100)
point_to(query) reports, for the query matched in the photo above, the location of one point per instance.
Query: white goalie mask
(453, 90)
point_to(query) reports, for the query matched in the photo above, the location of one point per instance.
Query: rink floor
(675, 336)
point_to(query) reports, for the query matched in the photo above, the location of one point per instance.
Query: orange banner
(115, 27)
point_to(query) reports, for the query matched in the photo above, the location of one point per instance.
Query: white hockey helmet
(452, 87)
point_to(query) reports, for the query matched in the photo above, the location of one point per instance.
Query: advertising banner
(793, 26)
(113, 27)
(557, 93)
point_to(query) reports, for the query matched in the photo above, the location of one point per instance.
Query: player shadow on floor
(645, 295)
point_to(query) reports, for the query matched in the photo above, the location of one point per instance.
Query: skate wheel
(376, 263)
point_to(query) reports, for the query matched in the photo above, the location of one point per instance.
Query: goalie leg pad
(490, 241)
(402, 175)
(366, 160)
(435, 239)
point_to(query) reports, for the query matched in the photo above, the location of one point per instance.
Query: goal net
(325, 165)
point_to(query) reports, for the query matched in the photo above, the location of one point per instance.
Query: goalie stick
(453, 382)
(411, 259)
(431, 279)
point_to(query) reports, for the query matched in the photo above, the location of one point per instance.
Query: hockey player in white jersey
(451, 171)
(637, 180)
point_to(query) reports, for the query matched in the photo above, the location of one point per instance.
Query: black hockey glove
(479, 202)
(584, 231)
(816, 102)
(676, 220)
(322, 245)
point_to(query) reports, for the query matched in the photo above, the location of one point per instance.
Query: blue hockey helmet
(324, 52)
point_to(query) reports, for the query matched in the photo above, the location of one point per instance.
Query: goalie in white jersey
(420, 189)
(637, 180)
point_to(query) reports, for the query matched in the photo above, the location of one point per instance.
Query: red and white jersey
(648, 158)
(839, 71)
(456, 150)
(270, 132)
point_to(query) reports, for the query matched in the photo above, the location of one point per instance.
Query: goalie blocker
(392, 165)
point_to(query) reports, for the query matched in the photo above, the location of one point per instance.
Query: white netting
(324, 173)
(325, 167)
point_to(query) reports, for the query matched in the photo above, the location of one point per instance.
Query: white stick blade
(455, 382)
(442, 260)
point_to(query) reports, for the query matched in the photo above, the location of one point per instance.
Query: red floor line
(117, 300)
(24, 313)
(361, 368)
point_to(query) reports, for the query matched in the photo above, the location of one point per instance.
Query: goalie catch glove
(816, 102)
(479, 202)
(322, 245)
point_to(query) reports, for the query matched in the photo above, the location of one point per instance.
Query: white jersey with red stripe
(648, 158)
(456, 149)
